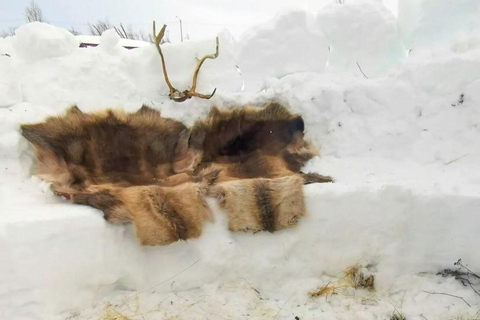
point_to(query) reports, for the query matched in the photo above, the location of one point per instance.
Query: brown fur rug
(156, 172)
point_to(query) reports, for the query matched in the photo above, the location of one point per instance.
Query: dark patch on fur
(255, 166)
(100, 200)
(238, 133)
(295, 161)
(263, 199)
(148, 110)
(118, 144)
(177, 222)
(315, 178)
(74, 110)
(110, 148)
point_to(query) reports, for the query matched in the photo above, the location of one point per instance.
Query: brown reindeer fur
(161, 215)
(261, 204)
(106, 147)
(154, 171)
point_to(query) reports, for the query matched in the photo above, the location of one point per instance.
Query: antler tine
(197, 70)
(174, 94)
(158, 39)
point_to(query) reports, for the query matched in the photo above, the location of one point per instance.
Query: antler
(175, 94)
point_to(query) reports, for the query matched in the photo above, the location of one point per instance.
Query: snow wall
(393, 105)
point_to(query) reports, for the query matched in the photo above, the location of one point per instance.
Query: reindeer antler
(175, 94)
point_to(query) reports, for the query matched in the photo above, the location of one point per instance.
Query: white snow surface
(362, 32)
(290, 43)
(402, 142)
(38, 41)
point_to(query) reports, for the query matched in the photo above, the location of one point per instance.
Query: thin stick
(172, 277)
(447, 294)
(171, 287)
(361, 70)
(253, 288)
(459, 262)
(159, 284)
(456, 159)
(281, 308)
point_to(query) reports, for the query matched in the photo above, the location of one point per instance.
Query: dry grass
(353, 278)
(109, 313)
(397, 316)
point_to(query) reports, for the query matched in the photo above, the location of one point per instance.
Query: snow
(363, 32)
(125, 42)
(38, 40)
(402, 146)
(277, 42)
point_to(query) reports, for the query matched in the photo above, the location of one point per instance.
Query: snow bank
(439, 25)
(9, 85)
(108, 75)
(288, 44)
(402, 146)
(39, 40)
(398, 231)
(362, 32)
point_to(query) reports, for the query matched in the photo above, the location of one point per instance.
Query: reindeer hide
(156, 172)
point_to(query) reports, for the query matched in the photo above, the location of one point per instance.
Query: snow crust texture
(393, 105)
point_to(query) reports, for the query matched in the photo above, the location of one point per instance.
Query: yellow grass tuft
(353, 278)
(109, 313)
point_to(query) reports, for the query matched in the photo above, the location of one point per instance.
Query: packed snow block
(90, 77)
(442, 75)
(7, 46)
(39, 40)
(10, 88)
(441, 24)
(285, 45)
(112, 75)
(361, 32)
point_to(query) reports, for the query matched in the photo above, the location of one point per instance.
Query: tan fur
(161, 215)
(240, 199)
(153, 221)
(287, 195)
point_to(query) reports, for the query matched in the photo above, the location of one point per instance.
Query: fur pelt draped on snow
(156, 172)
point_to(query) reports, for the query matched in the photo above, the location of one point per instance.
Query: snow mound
(110, 42)
(109, 75)
(440, 25)
(39, 40)
(363, 32)
(288, 44)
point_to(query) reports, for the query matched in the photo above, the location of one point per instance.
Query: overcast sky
(201, 18)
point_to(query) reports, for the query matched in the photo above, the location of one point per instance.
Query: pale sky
(201, 18)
